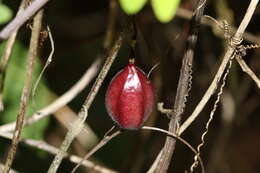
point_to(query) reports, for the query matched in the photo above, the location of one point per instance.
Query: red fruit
(130, 97)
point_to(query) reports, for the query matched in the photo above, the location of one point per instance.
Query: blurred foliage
(132, 6)
(5, 13)
(164, 10)
(13, 86)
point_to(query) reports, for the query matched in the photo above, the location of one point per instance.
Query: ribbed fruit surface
(130, 97)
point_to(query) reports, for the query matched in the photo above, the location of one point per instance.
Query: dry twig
(42, 145)
(205, 20)
(106, 45)
(236, 40)
(48, 62)
(107, 138)
(7, 54)
(11, 170)
(172, 135)
(113, 10)
(62, 100)
(183, 88)
(20, 19)
(77, 125)
(103, 142)
(211, 116)
(247, 70)
(26, 90)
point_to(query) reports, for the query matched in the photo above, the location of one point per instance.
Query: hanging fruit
(130, 97)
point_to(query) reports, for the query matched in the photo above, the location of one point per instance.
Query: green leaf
(13, 86)
(5, 14)
(132, 6)
(165, 9)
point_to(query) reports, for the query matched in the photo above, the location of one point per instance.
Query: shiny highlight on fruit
(130, 97)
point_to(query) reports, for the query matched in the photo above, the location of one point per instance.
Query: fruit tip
(131, 61)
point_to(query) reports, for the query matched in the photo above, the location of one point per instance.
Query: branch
(11, 170)
(20, 19)
(187, 14)
(26, 90)
(247, 70)
(42, 145)
(110, 31)
(230, 52)
(172, 135)
(48, 62)
(62, 100)
(113, 11)
(101, 143)
(183, 88)
(107, 138)
(6, 56)
(78, 124)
